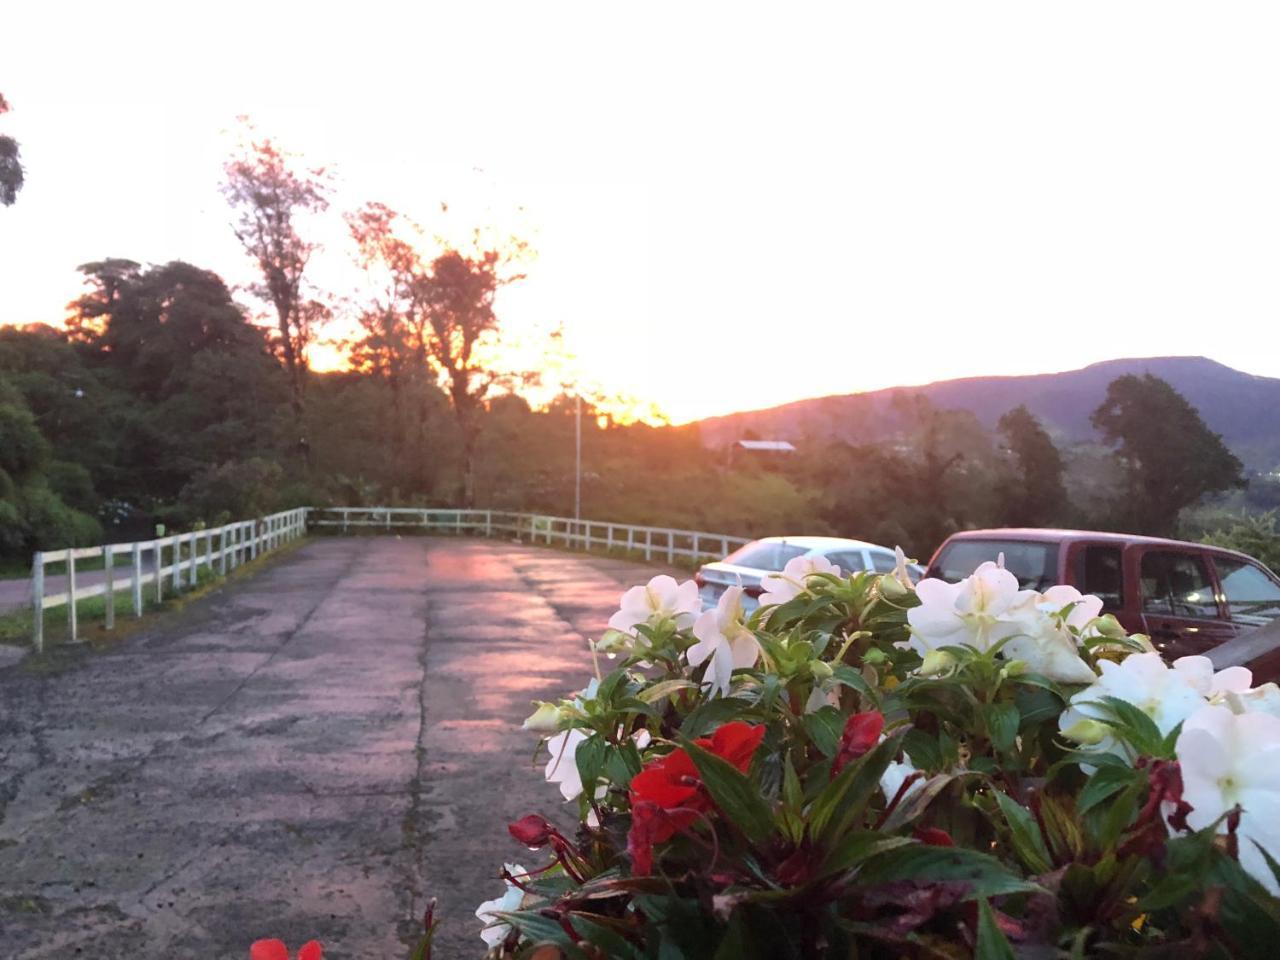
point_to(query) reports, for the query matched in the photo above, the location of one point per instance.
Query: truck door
(1180, 606)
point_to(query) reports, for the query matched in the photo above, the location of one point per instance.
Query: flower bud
(1014, 668)
(1108, 626)
(936, 662)
(1087, 732)
(546, 719)
(891, 588)
(820, 669)
(613, 641)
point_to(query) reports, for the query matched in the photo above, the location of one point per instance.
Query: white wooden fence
(178, 558)
(661, 542)
(175, 558)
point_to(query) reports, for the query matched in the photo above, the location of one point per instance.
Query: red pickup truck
(1187, 597)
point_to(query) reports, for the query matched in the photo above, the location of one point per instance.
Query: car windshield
(1034, 564)
(765, 555)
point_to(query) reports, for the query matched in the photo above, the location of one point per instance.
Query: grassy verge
(16, 627)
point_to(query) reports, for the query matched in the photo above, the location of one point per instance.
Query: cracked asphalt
(311, 752)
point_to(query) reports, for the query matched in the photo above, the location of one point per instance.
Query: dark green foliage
(11, 175)
(1171, 458)
(1258, 536)
(1033, 494)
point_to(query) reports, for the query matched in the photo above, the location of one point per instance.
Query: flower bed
(863, 768)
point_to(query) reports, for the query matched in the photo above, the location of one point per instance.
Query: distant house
(766, 446)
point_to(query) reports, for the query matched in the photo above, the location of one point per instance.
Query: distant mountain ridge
(1242, 407)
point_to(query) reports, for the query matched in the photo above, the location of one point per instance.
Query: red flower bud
(861, 734)
(934, 837)
(533, 831)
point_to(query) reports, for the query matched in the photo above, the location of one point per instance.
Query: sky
(733, 205)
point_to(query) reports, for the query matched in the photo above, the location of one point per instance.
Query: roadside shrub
(232, 491)
(1257, 535)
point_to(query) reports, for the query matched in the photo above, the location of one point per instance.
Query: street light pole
(577, 457)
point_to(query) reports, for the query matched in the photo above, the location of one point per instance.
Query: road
(310, 752)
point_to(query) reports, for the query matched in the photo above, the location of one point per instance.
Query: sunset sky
(733, 205)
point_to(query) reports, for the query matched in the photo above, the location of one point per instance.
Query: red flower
(861, 733)
(276, 950)
(533, 831)
(934, 837)
(667, 795)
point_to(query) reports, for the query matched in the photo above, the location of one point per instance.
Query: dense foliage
(865, 769)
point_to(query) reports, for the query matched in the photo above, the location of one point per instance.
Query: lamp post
(577, 456)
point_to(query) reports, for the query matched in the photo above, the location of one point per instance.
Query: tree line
(163, 398)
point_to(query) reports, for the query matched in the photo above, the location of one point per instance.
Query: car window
(1252, 597)
(1102, 575)
(1035, 564)
(849, 561)
(883, 562)
(1177, 585)
(763, 555)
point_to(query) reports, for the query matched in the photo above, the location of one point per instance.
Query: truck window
(1177, 585)
(1252, 597)
(1102, 575)
(1034, 563)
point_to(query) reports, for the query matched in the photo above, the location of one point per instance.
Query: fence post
(137, 579)
(222, 551)
(37, 601)
(157, 549)
(71, 592)
(671, 547)
(193, 563)
(631, 538)
(488, 523)
(346, 514)
(648, 544)
(176, 570)
(696, 554)
(608, 537)
(108, 568)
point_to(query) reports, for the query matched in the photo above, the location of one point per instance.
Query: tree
(11, 176)
(1171, 458)
(458, 293)
(268, 197)
(1034, 495)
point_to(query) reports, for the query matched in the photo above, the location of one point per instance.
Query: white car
(747, 565)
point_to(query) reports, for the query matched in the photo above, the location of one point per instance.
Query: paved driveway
(311, 752)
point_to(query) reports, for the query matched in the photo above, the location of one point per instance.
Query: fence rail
(661, 542)
(176, 558)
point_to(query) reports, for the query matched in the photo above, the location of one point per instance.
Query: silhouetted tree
(1034, 494)
(11, 175)
(1171, 458)
(268, 196)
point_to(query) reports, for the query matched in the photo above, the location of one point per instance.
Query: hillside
(1243, 408)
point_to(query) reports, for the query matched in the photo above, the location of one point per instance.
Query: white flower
(895, 775)
(1263, 699)
(495, 930)
(780, 587)
(1167, 696)
(660, 599)
(1228, 760)
(1198, 672)
(1043, 640)
(724, 641)
(976, 611)
(562, 769)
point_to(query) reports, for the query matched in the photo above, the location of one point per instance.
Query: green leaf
(857, 846)
(1002, 723)
(711, 714)
(664, 688)
(1104, 783)
(986, 875)
(844, 800)
(735, 795)
(992, 944)
(590, 758)
(917, 801)
(1137, 729)
(1028, 841)
(850, 677)
(923, 749)
(825, 728)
